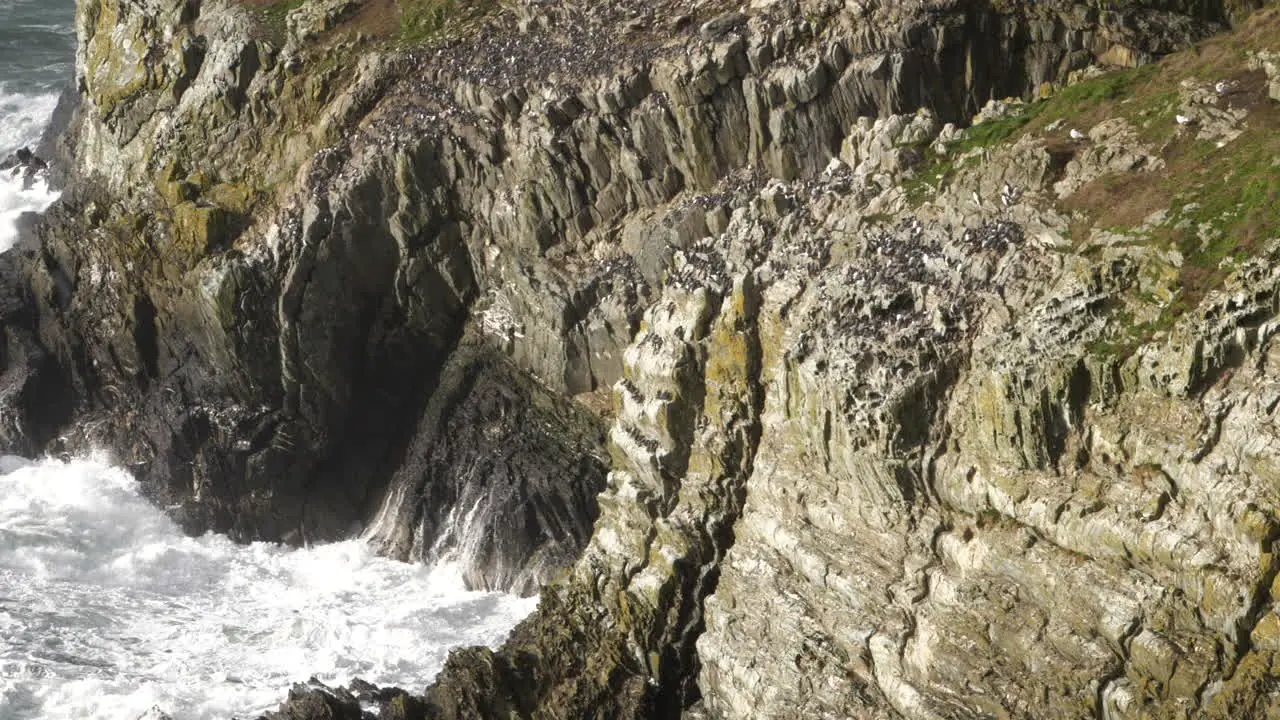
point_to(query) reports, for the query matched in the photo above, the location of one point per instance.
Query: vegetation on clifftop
(408, 22)
(1212, 204)
(1208, 205)
(426, 21)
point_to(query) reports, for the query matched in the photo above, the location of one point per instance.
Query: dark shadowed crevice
(145, 339)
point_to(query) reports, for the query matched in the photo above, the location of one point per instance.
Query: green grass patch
(1153, 116)
(1224, 209)
(928, 178)
(1083, 102)
(1111, 86)
(424, 22)
(994, 131)
(1234, 208)
(1125, 336)
(936, 169)
(271, 16)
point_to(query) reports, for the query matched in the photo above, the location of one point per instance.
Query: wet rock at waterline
(317, 701)
(24, 164)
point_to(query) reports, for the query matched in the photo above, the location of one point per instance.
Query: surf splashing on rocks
(37, 42)
(107, 610)
(22, 119)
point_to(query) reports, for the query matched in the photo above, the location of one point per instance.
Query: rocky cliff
(891, 418)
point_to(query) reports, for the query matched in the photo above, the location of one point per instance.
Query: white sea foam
(107, 609)
(22, 119)
(17, 199)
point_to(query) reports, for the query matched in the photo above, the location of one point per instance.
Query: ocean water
(107, 611)
(37, 45)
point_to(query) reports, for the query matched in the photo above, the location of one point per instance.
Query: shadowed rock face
(520, 525)
(836, 367)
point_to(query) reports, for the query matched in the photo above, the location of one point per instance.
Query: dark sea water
(37, 46)
(108, 612)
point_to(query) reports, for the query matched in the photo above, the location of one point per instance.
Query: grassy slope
(1223, 204)
(407, 22)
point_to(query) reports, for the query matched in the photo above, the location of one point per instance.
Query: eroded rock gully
(879, 433)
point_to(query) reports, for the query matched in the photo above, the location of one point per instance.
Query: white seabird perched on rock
(1222, 87)
(1010, 195)
(977, 199)
(1182, 119)
(1077, 135)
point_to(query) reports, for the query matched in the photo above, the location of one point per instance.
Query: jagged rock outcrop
(256, 327)
(952, 495)
(316, 701)
(486, 420)
(1268, 61)
(895, 418)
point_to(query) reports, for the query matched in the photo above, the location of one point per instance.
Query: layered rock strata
(256, 326)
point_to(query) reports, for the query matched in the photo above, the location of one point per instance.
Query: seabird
(1077, 135)
(1010, 195)
(1182, 119)
(976, 199)
(1222, 87)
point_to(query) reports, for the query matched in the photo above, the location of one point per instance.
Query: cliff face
(964, 426)
(898, 420)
